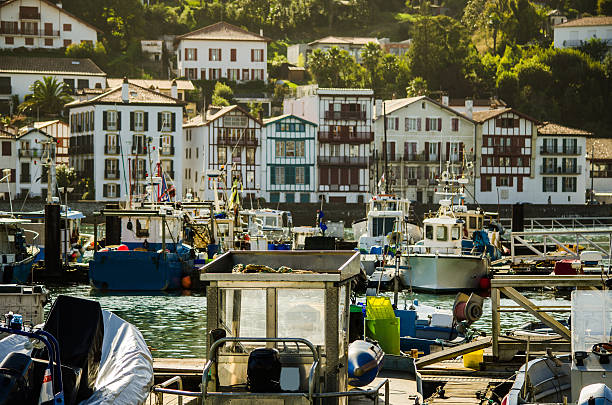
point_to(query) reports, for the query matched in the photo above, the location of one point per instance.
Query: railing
(560, 169)
(80, 149)
(355, 137)
(568, 150)
(29, 14)
(342, 160)
(6, 89)
(237, 140)
(29, 32)
(345, 115)
(111, 149)
(507, 150)
(166, 150)
(572, 43)
(30, 153)
(138, 150)
(25, 178)
(111, 175)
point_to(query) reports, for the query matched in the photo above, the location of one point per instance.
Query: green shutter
(272, 174)
(306, 174)
(289, 174)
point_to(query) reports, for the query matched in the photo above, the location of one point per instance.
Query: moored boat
(16, 257)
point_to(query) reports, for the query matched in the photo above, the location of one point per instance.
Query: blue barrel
(364, 362)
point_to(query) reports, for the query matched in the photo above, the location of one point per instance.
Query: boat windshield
(591, 319)
(382, 226)
(271, 221)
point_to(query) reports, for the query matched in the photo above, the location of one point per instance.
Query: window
(279, 172)
(486, 183)
(214, 74)
(233, 55)
(111, 120)
(111, 144)
(299, 148)
(233, 74)
(280, 149)
(258, 74)
(412, 124)
(166, 143)
(392, 123)
(167, 121)
(9, 40)
(111, 169)
(503, 181)
(428, 231)
(455, 232)
(236, 155)
(245, 74)
(191, 74)
(221, 154)
(290, 149)
(250, 156)
(6, 148)
(138, 145)
(214, 54)
(30, 41)
(455, 124)
(568, 184)
(549, 184)
(441, 233)
(48, 42)
(138, 123)
(82, 84)
(299, 175)
(433, 124)
(506, 122)
(257, 55)
(433, 150)
(191, 54)
(67, 42)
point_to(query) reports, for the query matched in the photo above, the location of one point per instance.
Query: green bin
(386, 332)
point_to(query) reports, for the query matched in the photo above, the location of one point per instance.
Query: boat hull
(138, 271)
(443, 273)
(19, 272)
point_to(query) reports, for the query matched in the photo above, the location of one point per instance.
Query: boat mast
(385, 173)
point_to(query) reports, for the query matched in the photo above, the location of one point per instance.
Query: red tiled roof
(223, 31)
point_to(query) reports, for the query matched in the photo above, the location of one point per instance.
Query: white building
(422, 136)
(18, 73)
(573, 34)
(344, 139)
(223, 139)
(222, 50)
(41, 24)
(121, 136)
(290, 156)
(8, 160)
(35, 154)
(60, 131)
(599, 180)
(152, 48)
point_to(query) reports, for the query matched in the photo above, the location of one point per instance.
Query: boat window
(382, 226)
(270, 221)
(473, 223)
(455, 232)
(479, 223)
(428, 232)
(301, 312)
(142, 228)
(243, 311)
(441, 233)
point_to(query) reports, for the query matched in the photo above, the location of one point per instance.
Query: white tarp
(126, 366)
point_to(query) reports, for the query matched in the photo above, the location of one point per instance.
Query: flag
(166, 192)
(46, 390)
(381, 181)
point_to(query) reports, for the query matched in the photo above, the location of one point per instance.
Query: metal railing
(25, 178)
(544, 169)
(111, 175)
(342, 160)
(345, 115)
(560, 223)
(237, 140)
(166, 150)
(354, 137)
(111, 149)
(30, 153)
(29, 32)
(561, 150)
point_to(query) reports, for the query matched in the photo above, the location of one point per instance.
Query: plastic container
(473, 359)
(386, 332)
(379, 308)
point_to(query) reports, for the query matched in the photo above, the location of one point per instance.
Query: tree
(48, 97)
(371, 57)
(255, 108)
(417, 87)
(596, 48)
(335, 68)
(223, 95)
(65, 175)
(604, 7)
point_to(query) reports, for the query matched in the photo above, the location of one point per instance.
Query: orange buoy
(123, 247)
(186, 282)
(484, 283)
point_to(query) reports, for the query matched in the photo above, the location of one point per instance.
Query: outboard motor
(264, 370)
(16, 372)
(468, 309)
(364, 362)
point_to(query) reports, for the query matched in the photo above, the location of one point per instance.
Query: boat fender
(186, 282)
(364, 362)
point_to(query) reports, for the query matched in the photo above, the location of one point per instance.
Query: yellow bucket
(473, 359)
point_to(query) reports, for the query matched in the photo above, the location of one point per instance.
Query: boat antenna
(385, 155)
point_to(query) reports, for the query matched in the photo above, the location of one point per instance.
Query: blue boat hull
(139, 270)
(18, 273)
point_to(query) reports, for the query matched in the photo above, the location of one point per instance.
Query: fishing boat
(278, 325)
(585, 376)
(86, 356)
(16, 257)
(272, 227)
(144, 251)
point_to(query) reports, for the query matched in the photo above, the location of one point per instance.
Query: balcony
(25, 178)
(507, 150)
(80, 149)
(30, 153)
(111, 149)
(111, 175)
(29, 32)
(138, 150)
(6, 89)
(237, 140)
(355, 137)
(29, 13)
(360, 161)
(570, 150)
(345, 115)
(560, 169)
(166, 150)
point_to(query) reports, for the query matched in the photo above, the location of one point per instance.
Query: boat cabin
(267, 221)
(388, 202)
(12, 240)
(295, 302)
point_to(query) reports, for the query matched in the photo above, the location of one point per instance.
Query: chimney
(125, 90)
(445, 100)
(469, 107)
(378, 108)
(173, 89)
(59, 4)
(261, 32)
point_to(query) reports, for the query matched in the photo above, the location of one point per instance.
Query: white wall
(21, 82)
(8, 162)
(306, 107)
(79, 32)
(243, 56)
(194, 163)
(36, 162)
(568, 37)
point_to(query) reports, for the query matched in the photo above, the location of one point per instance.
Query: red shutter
(426, 151)
(511, 181)
(519, 183)
(195, 54)
(426, 124)
(483, 183)
(220, 54)
(252, 55)
(418, 124)
(448, 150)
(185, 53)
(439, 124)
(354, 176)
(209, 53)
(233, 55)
(461, 151)
(252, 74)
(439, 150)
(333, 175)
(498, 122)
(397, 123)
(406, 148)
(516, 122)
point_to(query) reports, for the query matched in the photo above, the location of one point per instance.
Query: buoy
(186, 282)
(103, 250)
(484, 283)
(123, 248)
(364, 362)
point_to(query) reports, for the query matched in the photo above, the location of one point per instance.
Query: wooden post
(95, 230)
(163, 224)
(495, 326)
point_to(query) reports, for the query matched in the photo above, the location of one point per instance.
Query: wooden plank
(167, 365)
(453, 352)
(582, 280)
(542, 316)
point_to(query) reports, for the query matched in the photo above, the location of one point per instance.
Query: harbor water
(174, 324)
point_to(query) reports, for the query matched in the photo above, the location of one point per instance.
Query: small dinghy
(102, 358)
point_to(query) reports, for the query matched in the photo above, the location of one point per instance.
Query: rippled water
(174, 325)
